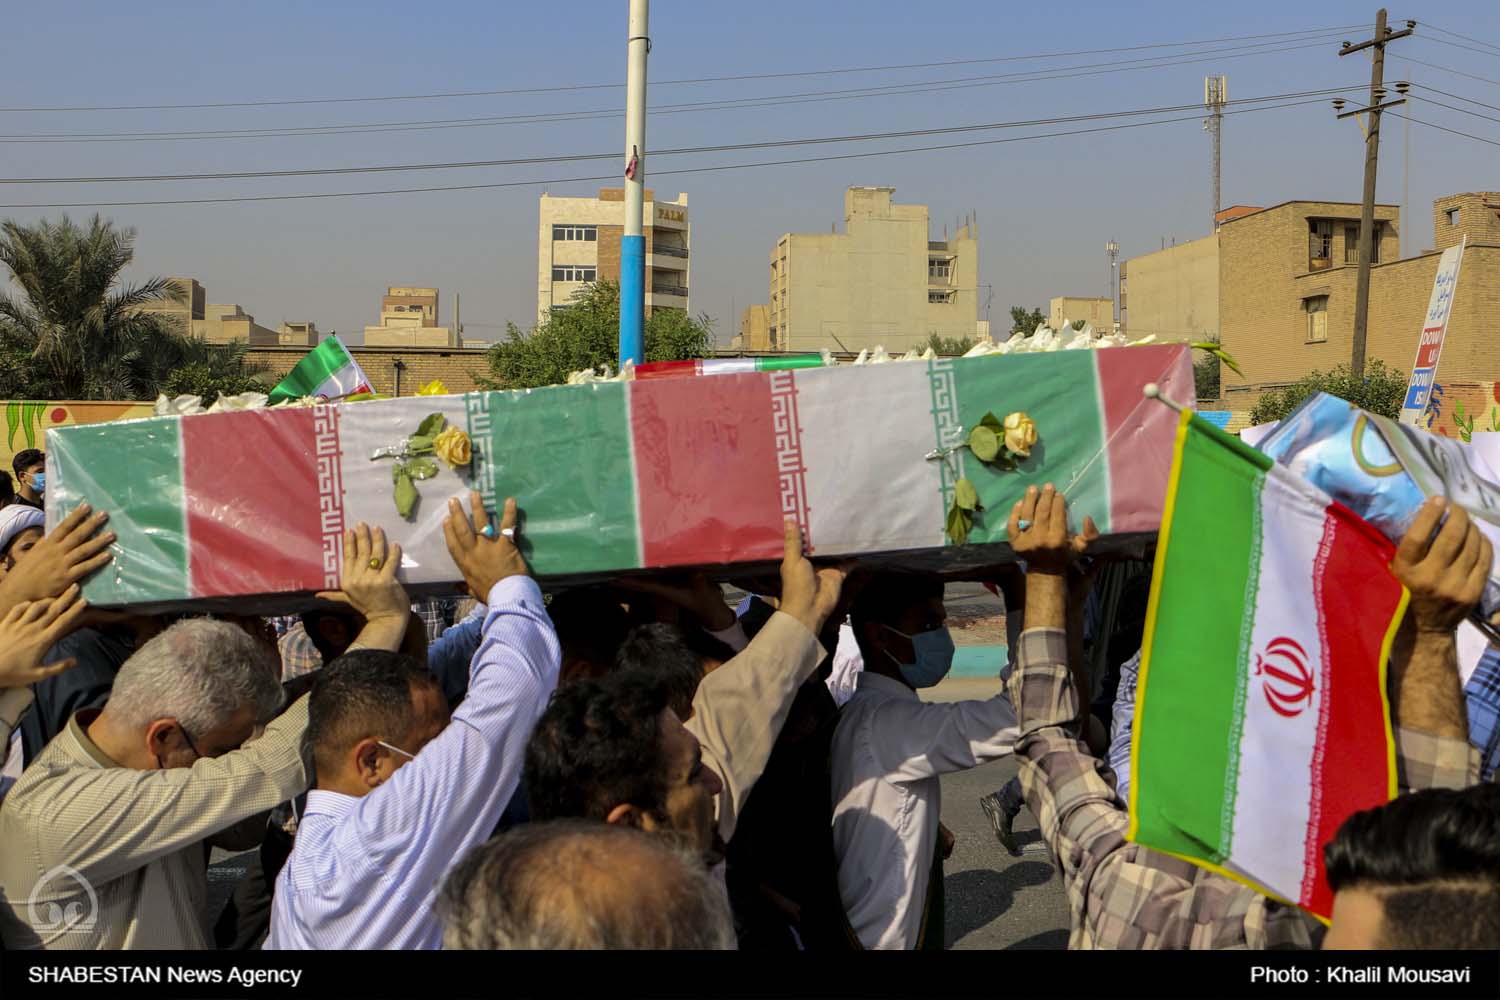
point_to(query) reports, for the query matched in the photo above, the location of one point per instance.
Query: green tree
(1206, 374)
(1025, 322)
(1380, 391)
(76, 331)
(949, 346)
(586, 334)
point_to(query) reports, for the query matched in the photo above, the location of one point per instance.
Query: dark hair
(361, 694)
(1433, 858)
(887, 596)
(590, 624)
(7, 489)
(575, 884)
(311, 621)
(25, 459)
(674, 656)
(598, 745)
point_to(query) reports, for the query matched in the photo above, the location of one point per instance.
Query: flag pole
(633, 240)
(1153, 391)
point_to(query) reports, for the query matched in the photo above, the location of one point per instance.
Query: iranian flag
(328, 372)
(1261, 718)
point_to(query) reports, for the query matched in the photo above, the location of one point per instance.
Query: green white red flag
(1261, 718)
(327, 373)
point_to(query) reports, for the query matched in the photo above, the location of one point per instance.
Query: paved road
(995, 900)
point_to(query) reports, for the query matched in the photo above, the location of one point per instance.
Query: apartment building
(409, 318)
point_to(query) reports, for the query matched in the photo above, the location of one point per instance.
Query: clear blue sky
(1045, 208)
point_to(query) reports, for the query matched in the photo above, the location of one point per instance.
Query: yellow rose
(1020, 434)
(453, 447)
(433, 388)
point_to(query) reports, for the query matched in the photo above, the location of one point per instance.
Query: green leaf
(421, 468)
(418, 443)
(406, 495)
(992, 422)
(959, 522)
(431, 425)
(397, 471)
(984, 443)
(965, 496)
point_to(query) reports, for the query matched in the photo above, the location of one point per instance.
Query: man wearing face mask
(889, 751)
(31, 477)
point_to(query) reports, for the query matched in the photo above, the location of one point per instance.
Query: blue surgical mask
(934, 650)
(39, 481)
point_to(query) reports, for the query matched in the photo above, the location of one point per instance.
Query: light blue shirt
(1121, 724)
(365, 871)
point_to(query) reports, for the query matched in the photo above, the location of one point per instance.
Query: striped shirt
(1122, 895)
(365, 870)
(102, 856)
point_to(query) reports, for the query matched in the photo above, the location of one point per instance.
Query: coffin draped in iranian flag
(615, 477)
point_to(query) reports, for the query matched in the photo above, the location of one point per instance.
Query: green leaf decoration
(992, 422)
(1212, 347)
(959, 522)
(430, 426)
(397, 471)
(984, 443)
(965, 496)
(417, 444)
(421, 468)
(406, 494)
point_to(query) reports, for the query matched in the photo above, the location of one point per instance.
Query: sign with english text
(1434, 328)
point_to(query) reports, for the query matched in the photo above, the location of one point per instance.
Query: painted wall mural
(27, 420)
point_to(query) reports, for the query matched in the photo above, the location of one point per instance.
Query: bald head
(578, 884)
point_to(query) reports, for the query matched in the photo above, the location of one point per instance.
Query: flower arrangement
(997, 443)
(433, 437)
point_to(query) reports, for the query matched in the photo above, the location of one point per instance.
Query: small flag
(635, 159)
(1261, 720)
(328, 372)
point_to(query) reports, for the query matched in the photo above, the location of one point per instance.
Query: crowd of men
(643, 766)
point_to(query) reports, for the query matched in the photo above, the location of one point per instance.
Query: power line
(1448, 69)
(1444, 128)
(1467, 38)
(1458, 97)
(667, 83)
(726, 104)
(1466, 111)
(654, 173)
(1460, 45)
(572, 157)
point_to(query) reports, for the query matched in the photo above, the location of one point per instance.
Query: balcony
(670, 251)
(657, 288)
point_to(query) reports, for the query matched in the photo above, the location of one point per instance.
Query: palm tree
(79, 331)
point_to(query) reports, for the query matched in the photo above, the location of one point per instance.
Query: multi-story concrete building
(881, 281)
(1285, 289)
(1098, 312)
(755, 329)
(578, 242)
(297, 334)
(217, 323)
(409, 318)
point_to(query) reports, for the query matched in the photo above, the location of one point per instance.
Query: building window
(1452, 214)
(570, 273)
(1351, 244)
(1319, 244)
(1317, 318)
(589, 233)
(940, 297)
(938, 270)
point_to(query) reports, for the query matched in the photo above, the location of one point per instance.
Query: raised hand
(808, 594)
(1445, 572)
(369, 586)
(1043, 540)
(31, 628)
(483, 558)
(75, 549)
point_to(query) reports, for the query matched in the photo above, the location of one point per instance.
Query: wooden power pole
(1383, 35)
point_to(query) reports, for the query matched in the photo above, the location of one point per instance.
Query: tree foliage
(586, 334)
(1025, 322)
(75, 331)
(1206, 374)
(950, 346)
(1380, 391)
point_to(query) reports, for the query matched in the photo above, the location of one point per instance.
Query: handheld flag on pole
(1261, 718)
(328, 372)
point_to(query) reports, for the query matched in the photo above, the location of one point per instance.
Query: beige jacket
(739, 709)
(102, 856)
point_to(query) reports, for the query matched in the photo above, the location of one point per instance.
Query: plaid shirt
(436, 615)
(1123, 895)
(1482, 695)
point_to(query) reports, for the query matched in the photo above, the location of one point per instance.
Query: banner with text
(1434, 328)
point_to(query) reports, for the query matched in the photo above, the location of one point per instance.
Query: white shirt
(888, 752)
(365, 871)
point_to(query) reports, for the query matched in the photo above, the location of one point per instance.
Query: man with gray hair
(577, 884)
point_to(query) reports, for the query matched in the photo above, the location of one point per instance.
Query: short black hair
(598, 745)
(1433, 858)
(590, 624)
(310, 624)
(887, 596)
(26, 458)
(361, 694)
(674, 656)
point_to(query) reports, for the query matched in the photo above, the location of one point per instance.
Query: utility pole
(1372, 155)
(633, 240)
(1113, 249)
(1215, 93)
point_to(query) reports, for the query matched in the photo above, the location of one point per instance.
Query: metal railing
(667, 251)
(660, 289)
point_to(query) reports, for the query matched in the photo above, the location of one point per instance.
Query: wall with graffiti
(26, 421)
(1458, 409)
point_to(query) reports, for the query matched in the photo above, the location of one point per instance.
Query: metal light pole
(1113, 249)
(633, 241)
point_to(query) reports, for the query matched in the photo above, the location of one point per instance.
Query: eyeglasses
(191, 745)
(394, 749)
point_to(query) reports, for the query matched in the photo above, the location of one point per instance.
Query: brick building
(1286, 286)
(411, 367)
